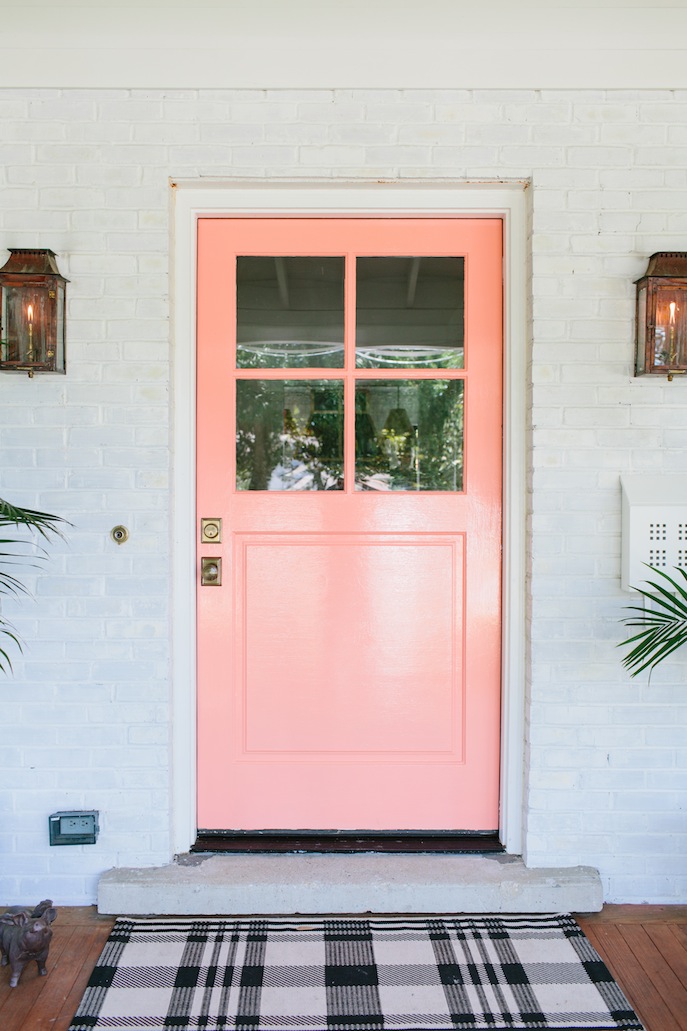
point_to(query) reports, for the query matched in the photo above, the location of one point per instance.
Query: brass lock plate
(211, 531)
(211, 572)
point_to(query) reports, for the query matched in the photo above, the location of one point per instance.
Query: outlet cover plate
(77, 827)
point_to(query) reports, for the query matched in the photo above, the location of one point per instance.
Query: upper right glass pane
(410, 313)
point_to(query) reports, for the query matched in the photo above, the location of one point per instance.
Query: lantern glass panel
(58, 361)
(670, 337)
(26, 322)
(640, 368)
(13, 316)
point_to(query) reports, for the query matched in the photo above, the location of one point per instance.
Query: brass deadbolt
(211, 531)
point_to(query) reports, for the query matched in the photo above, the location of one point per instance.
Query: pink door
(349, 441)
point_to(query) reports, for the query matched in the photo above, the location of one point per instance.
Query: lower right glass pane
(409, 435)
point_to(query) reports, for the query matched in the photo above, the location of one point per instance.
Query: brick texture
(86, 717)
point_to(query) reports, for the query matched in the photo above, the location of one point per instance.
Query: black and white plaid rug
(352, 974)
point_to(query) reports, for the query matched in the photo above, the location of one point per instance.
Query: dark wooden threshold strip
(348, 841)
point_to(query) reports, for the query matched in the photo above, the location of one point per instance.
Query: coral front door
(349, 519)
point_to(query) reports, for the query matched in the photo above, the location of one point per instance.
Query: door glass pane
(409, 435)
(410, 313)
(290, 312)
(289, 435)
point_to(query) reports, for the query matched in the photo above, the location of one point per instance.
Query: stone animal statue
(25, 935)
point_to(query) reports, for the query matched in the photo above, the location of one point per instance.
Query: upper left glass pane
(289, 312)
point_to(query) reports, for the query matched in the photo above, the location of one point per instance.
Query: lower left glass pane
(289, 435)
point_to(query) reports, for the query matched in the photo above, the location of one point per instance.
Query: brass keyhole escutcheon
(211, 531)
(211, 572)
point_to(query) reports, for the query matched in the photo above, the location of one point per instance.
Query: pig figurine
(25, 935)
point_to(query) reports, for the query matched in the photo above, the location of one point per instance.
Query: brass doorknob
(211, 572)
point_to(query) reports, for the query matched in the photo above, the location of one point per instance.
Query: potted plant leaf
(661, 623)
(19, 547)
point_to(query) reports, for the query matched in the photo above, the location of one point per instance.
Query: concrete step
(365, 882)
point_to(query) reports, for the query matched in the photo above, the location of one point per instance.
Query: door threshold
(454, 843)
(363, 883)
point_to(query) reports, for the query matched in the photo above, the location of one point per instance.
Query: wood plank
(672, 992)
(63, 1017)
(680, 932)
(17, 1003)
(62, 980)
(670, 948)
(640, 990)
(615, 913)
(36, 1002)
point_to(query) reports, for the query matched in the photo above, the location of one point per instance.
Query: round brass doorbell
(119, 534)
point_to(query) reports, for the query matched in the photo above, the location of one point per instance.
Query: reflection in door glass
(410, 313)
(289, 435)
(290, 312)
(409, 435)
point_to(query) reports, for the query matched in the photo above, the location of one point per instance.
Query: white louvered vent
(654, 526)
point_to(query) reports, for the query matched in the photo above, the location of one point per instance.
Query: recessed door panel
(357, 678)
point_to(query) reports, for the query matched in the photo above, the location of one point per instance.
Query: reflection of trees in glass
(409, 435)
(256, 443)
(289, 435)
(441, 434)
(420, 443)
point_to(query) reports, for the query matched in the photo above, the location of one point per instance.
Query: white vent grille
(654, 526)
(658, 557)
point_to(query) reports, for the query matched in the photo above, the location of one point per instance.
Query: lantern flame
(29, 313)
(672, 306)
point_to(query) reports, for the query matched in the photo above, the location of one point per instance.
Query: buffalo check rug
(352, 974)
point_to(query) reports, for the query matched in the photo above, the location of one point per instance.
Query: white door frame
(193, 199)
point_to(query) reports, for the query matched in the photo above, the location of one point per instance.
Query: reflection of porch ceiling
(412, 355)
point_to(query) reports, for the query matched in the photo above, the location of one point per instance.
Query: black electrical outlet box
(78, 827)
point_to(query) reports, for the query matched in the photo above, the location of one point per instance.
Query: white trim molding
(270, 44)
(449, 198)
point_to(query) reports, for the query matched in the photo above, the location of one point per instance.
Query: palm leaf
(662, 628)
(43, 522)
(5, 661)
(25, 550)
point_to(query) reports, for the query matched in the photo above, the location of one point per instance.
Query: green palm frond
(43, 522)
(662, 625)
(23, 550)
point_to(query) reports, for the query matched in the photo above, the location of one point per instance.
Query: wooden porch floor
(645, 947)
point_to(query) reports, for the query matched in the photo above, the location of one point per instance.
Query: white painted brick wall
(86, 719)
